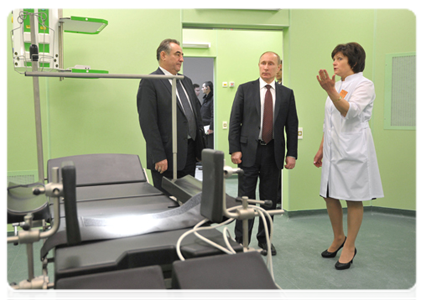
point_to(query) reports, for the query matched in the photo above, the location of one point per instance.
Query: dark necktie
(267, 132)
(187, 109)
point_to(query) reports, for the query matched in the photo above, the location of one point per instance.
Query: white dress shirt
(166, 72)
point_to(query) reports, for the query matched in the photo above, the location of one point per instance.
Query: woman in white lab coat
(347, 154)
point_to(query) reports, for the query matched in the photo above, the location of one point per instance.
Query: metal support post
(245, 226)
(174, 131)
(37, 106)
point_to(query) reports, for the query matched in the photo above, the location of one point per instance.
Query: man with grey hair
(155, 116)
(261, 111)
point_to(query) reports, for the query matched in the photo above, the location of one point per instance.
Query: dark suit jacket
(244, 128)
(154, 101)
(207, 110)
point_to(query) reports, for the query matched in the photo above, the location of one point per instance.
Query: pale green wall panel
(104, 111)
(379, 31)
(395, 32)
(200, 36)
(91, 115)
(235, 18)
(311, 45)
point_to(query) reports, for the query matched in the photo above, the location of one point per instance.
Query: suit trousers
(189, 168)
(268, 173)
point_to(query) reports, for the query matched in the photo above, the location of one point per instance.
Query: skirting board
(375, 209)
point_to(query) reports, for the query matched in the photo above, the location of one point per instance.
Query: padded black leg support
(182, 188)
(138, 278)
(238, 271)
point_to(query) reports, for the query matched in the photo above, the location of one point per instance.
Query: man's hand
(161, 166)
(236, 157)
(290, 162)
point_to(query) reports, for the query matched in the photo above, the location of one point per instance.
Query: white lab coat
(350, 168)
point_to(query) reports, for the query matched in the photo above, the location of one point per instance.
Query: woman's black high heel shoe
(327, 254)
(341, 266)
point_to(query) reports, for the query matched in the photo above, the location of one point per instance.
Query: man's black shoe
(264, 247)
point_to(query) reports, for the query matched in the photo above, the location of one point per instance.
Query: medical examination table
(129, 231)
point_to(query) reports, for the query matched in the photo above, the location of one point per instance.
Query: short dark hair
(165, 46)
(277, 55)
(355, 53)
(195, 85)
(209, 84)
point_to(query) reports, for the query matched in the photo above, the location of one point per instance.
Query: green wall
(395, 32)
(99, 115)
(235, 18)
(310, 50)
(82, 116)
(379, 32)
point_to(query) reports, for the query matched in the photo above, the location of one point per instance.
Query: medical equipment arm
(29, 236)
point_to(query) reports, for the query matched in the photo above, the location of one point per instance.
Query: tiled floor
(386, 257)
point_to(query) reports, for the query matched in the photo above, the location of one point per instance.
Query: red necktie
(267, 132)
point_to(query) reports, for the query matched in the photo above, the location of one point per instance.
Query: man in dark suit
(261, 111)
(155, 117)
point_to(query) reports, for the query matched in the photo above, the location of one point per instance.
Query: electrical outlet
(300, 133)
(225, 125)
